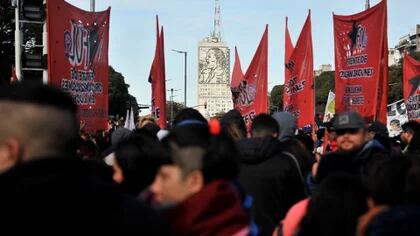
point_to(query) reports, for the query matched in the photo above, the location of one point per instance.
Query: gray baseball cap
(348, 120)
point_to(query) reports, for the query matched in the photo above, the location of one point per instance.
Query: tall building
(410, 42)
(214, 95)
(322, 68)
(406, 43)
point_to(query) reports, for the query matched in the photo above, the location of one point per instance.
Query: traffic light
(205, 105)
(33, 10)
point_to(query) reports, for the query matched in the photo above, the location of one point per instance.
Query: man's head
(196, 158)
(377, 129)
(264, 125)
(38, 121)
(287, 124)
(409, 129)
(350, 130)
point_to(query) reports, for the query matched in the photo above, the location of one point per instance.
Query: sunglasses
(347, 131)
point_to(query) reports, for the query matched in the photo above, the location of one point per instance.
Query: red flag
(288, 50)
(298, 96)
(250, 96)
(411, 86)
(361, 62)
(157, 80)
(288, 43)
(237, 74)
(237, 79)
(78, 59)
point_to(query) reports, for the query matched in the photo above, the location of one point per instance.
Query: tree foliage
(323, 84)
(6, 40)
(177, 107)
(119, 98)
(276, 99)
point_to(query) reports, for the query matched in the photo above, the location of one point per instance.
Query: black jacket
(271, 178)
(56, 196)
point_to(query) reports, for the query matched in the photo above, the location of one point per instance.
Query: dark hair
(412, 184)
(38, 94)
(233, 123)
(188, 114)
(55, 131)
(139, 158)
(152, 128)
(87, 149)
(218, 158)
(298, 149)
(414, 147)
(222, 159)
(263, 125)
(335, 208)
(335, 162)
(386, 180)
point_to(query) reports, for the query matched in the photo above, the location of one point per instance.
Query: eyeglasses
(347, 131)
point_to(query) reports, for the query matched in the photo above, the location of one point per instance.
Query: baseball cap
(348, 120)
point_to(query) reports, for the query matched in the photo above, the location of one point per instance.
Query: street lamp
(172, 102)
(185, 74)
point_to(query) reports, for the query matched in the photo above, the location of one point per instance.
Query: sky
(186, 22)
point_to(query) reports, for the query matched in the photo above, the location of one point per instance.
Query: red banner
(238, 98)
(157, 80)
(250, 96)
(411, 86)
(361, 62)
(298, 95)
(78, 59)
(237, 74)
(288, 50)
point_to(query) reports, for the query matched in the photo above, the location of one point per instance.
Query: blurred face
(170, 187)
(406, 136)
(349, 140)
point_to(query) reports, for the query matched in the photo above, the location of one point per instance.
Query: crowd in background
(199, 177)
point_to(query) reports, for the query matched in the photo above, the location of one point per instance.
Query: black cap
(348, 120)
(378, 128)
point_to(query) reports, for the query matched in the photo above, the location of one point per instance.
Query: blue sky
(186, 22)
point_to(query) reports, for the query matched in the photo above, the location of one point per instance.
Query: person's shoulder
(140, 219)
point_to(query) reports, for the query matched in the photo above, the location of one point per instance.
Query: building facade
(214, 95)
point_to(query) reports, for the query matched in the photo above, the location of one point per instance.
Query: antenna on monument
(216, 30)
(367, 5)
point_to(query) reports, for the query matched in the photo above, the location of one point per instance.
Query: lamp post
(185, 74)
(172, 102)
(92, 5)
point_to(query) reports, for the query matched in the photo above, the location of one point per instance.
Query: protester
(335, 207)
(271, 177)
(410, 135)
(136, 161)
(393, 200)
(379, 132)
(194, 185)
(45, 189)
(352, 141)
(234, 124)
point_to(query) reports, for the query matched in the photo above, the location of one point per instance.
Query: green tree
(6, 40)
(177, 107)
(119, 98)
(323, 84)
(276, 99)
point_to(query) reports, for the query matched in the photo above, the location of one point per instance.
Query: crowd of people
(202, 177)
